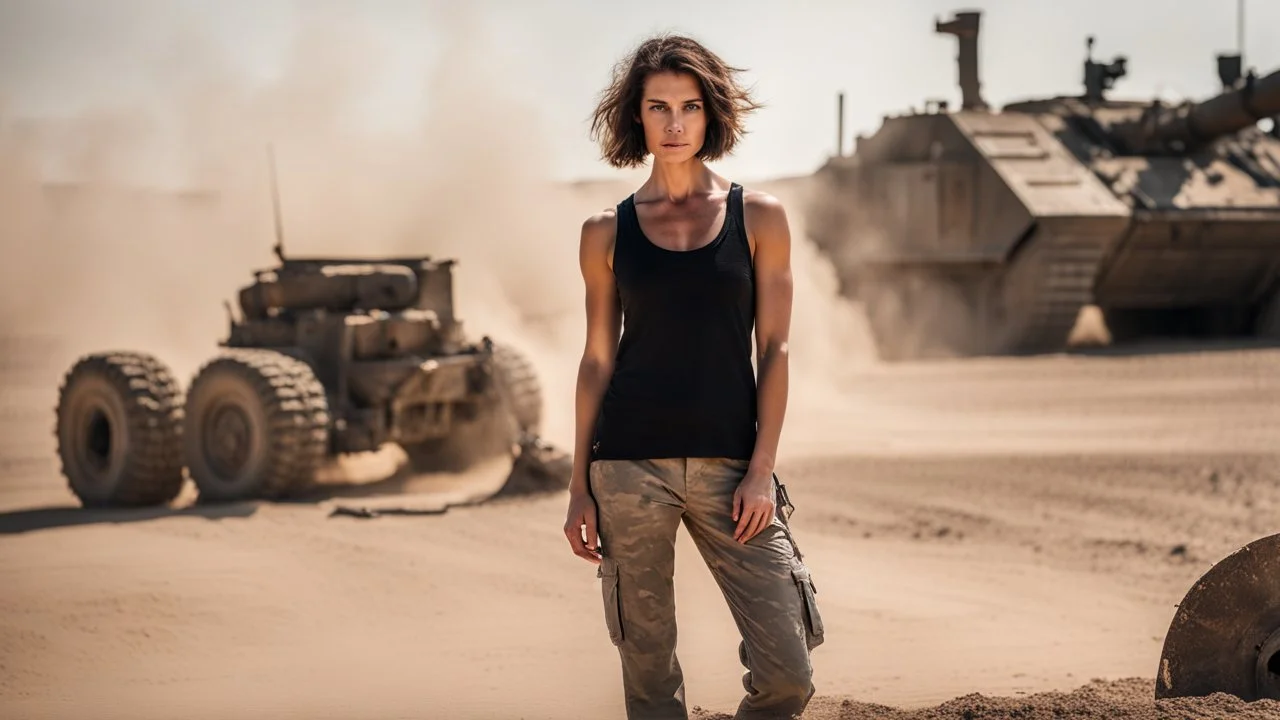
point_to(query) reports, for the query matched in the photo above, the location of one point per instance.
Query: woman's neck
(676, 182)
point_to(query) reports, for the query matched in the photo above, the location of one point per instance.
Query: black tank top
(683, 383)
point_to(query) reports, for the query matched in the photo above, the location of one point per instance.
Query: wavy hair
(615, 124)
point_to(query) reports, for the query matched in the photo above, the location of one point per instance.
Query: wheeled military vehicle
(327, 356)
(984, 232)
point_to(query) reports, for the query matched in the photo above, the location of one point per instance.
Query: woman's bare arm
(604, 319)
(771, 239)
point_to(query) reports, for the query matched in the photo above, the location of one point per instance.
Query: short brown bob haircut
(615, 122)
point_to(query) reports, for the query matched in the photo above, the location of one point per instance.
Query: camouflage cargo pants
(640, 505)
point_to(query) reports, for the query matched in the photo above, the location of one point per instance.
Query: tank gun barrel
(1199, 123)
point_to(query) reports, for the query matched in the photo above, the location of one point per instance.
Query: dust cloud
(98, 258)
(829, 334)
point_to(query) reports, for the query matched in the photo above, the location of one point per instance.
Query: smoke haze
(100, 255)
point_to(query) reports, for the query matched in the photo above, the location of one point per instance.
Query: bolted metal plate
(1225, 636)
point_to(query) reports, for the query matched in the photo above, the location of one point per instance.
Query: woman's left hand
(754, 504)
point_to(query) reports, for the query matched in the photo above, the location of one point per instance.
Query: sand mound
(1129, 699)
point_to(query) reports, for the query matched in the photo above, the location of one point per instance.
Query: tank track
(1061, 279)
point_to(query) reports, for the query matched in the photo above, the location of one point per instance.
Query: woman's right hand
(580, 526)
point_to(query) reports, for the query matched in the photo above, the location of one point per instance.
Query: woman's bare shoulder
(601, 223)
(598, 232)
(765, 216)
(759, 202)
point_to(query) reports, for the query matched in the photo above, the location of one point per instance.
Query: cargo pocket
(808, 605)
(608, 574)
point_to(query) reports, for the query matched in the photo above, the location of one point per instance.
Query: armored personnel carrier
(984, 232)
(327, 356)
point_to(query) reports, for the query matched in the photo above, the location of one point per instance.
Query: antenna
(275, 204)
(840, 124)
(1231, 67)
(1240, 30)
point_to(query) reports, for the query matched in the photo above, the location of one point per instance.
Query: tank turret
(981, 231)
(1193, 125)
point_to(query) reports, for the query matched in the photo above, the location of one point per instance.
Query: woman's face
(674, 117)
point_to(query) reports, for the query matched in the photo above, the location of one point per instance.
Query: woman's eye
(692, 107)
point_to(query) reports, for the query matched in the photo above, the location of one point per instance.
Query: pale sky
(60, 56)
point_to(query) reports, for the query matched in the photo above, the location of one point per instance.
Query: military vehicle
(984, 232)
(328, 356)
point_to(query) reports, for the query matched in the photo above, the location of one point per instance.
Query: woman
(671, 424)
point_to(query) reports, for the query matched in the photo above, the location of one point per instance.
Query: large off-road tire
(519, 381)
(257, 426)
(496, 424)
(119, 430)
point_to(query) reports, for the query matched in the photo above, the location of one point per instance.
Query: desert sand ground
(994, 526)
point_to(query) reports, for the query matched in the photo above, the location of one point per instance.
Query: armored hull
(977, 231)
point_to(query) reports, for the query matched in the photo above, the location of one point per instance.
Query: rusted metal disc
(1225, 636)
